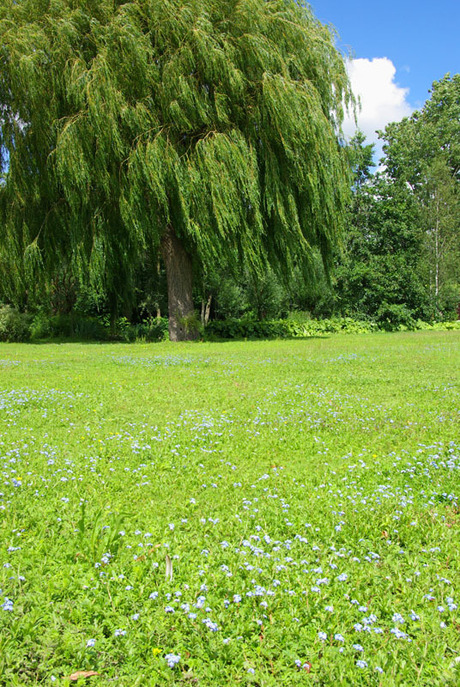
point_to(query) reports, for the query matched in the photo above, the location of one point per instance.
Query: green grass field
(255, 513)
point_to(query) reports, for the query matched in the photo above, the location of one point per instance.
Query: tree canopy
(402, 254)
(198, 129)
(428, 135)
(423, 152)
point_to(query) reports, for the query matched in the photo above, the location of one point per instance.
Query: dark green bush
(151, 330)
(71, 326)
(75, 326)
(248, 328)
(14, 325)
(392, 317)
(40, 327)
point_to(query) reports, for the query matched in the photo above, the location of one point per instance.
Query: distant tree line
(402, 247)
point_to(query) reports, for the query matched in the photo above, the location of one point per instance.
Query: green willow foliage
(220, 118)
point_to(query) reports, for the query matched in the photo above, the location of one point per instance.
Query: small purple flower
(399, 634)
(7, 605)
(210, 625)
(172, 659)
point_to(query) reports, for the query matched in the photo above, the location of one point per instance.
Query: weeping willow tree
(199, 130)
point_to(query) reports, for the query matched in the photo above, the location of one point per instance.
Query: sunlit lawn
(306, 494)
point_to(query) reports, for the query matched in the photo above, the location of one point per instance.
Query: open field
(306, 493)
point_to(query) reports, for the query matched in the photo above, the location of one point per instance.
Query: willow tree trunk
(179, 276)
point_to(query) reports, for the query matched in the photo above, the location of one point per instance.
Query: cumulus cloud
(382, 100)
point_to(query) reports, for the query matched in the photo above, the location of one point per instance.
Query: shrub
(249, 328)
(89, 329)
(442, 326)
(151, 330)
(392, 317)
(14, 326)
(71, 326)
(75, 326)
(41, 327)
(156, 329)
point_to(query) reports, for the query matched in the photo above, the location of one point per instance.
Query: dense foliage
(200, 130)
(423, 154)
(203, 144)
(403, 240)
(21, 327)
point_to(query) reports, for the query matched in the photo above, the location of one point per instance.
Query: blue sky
(399, 49)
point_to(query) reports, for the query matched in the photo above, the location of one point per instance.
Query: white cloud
(382, 100)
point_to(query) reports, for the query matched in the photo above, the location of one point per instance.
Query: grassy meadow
(252, 513)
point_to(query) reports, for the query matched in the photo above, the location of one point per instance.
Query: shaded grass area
(306, 493)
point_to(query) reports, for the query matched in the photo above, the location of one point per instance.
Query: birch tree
(423, 151)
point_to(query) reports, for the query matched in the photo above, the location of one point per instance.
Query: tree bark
(206, 310)
(436, 244)
(179, 276)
